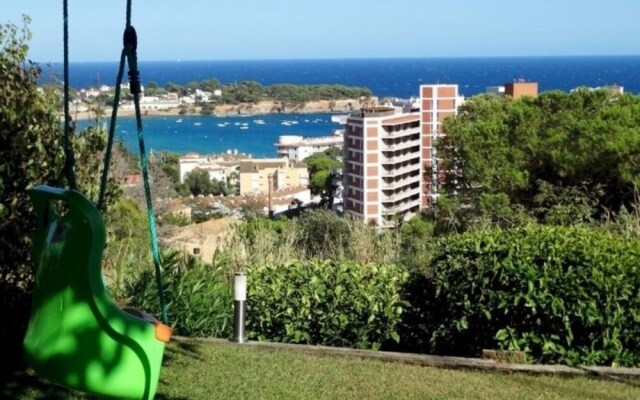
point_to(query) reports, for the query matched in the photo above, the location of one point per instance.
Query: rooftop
(403, 119)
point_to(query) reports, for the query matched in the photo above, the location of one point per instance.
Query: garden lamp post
(239, 299)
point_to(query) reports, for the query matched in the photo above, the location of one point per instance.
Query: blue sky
(290, 29)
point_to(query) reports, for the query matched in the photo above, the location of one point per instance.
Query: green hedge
(198, 295)
(563, 295)
(325, 302)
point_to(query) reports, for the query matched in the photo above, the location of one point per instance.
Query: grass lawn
(197, 370)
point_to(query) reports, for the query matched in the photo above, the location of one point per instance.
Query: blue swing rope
(129, 54)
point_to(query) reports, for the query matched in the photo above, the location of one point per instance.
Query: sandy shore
(228, 110)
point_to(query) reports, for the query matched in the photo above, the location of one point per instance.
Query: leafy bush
(324, 233)
(30, 154)
(563, 295)
(325, 302)
(199, 296)
(127, 250)
(175, 219)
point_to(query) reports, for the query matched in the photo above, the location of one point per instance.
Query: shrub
(127, 250)
(30, 153)
(198, 295)
(324, 233)
(325, 302)
(562, 295)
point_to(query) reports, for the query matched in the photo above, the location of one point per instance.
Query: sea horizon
(348, 58)
(385, 77)
(389, 77)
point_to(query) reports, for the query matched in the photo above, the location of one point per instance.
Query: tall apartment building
(437, 102)
(382, 168)
(390, 162)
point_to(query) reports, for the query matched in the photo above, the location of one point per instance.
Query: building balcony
(399, 183)
(402, 207)
(402, 146)
(390, 222)
(400, 170)
(401, 133)
(397, 196)
(397, 159)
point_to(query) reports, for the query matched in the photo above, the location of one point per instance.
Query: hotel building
(382, 165)
(390, 163)
(437, 102)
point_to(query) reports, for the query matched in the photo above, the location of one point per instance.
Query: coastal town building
(152, 103)
(521, 88)
(223, 167)
(437, 102)
(496, 90)
(382, 167)
(285, 174)
(515, 90)
(613, 89)
(390, 162)
(337, 190)
(297, 148)
(284, 200)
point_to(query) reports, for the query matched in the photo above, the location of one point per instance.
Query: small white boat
(179, 120)
(244, 127)
(197, 123)
(222, 125)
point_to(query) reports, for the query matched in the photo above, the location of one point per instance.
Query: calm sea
(385, 77)
(253, 135)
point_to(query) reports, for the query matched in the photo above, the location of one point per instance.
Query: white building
(202, 96)
(187, 100)
(297, 148)
(218, 168)
(613, 89)
(497, 90)
(152, 103)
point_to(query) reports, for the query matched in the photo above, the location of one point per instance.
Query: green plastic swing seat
(77, 336)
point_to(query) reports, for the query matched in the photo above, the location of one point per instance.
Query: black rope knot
(134, 82)
(130, 39)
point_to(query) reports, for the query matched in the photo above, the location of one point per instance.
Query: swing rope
(129, 54)
(68, 150)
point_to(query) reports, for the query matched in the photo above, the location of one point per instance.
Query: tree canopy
(560, 157)
(198, 183)
(319, 166)
(253, 92)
